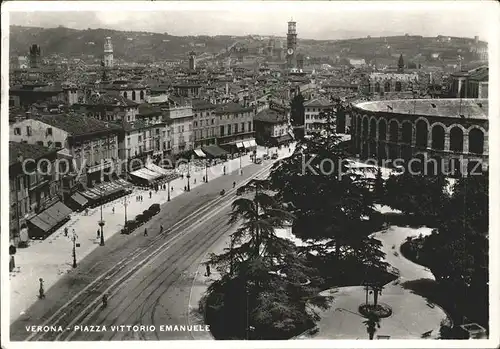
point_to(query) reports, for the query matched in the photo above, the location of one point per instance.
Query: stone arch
(125, 95)
(373, 128)
(394, 130)
(438, 131)
(476, 140)
(422, 133)
(141, 95)
(456, 138)
(365, 127)
(387, 86)
(133, 95)
(382, 129)
(377, 87)
(398, 86)
(407, 132)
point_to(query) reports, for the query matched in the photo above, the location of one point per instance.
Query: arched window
(142, 95)
(398, 86)
(373, 129)
(438, 137)
(421, 135)
(365, 128)
(382, 130)
(387, 86)
(456, 139)
(393, 131)
(377, 87)
(476, 141)
(407, 133)
(125, 95)
(133, 95)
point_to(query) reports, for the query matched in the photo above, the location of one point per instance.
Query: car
(266, 157)
(274, 156)
(141, 218)
(154, 209)
(129, 227)
(258, 161)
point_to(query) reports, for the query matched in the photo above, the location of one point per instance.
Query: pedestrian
(161, 228)
(172, 189)
(145, 231)
(87, 211)
(208, 269)
(113, 210)
(73, 232)
(203, 178)
(150, 194)
(185, 188)
(195, 181)
(98, 233)
(66, 231)
(234, 184)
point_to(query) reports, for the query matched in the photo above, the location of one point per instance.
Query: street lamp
(188, 176)
(168, 189)
(206, 170)
(125, 202)
(74, 249)
(241, 170)
(101, 222)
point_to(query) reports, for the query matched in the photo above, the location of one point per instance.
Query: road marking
(205, 207)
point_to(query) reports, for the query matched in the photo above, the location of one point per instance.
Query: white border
(492, 17)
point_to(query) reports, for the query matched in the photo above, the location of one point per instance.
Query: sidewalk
(51, 258)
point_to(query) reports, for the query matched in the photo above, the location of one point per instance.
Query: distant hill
(136, 46)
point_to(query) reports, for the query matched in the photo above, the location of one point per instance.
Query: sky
(315, 20)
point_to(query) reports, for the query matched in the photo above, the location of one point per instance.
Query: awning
(252, 143)
(79, 199)
(146, 174)
(157, 169)
(214, 151)
(52, 216)
(283, 139)
(246, 144)
(199, 153)
(239, 145)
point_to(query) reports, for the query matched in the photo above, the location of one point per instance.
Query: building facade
(451, 133)
(205, 123)
(235, 124)
(315, 114)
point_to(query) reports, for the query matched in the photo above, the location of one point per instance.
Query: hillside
(140, 46)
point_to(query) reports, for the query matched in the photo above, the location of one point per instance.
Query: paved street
(148, 278)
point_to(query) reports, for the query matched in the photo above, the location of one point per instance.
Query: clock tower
(291, 44)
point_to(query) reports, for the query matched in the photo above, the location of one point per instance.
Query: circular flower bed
(380, 310)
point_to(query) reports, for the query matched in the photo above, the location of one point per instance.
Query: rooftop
(232, 108)
(114, 99)
(469, 108)
(27, 151)
(202, 104)
(317, 102)
(271, 116)
(76, 124)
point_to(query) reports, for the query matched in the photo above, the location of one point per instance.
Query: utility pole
(206, 170)
(101, 222)
(188, 176)
(74, 250)
(168, 190)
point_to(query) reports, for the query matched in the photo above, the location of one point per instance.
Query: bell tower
(291, 44)
(108, 53)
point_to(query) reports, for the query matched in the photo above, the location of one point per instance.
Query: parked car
(129, 227)
(141, 218)
(274, 156)
(147, 214)
(258, 161)
(266, 157)
(154, 208)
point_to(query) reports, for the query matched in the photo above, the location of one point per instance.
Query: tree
(332, 205)
(266, 289)
(379, 188)
(297, 114)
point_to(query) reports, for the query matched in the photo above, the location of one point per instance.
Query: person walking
(98, 233)
(41, 292)
(113, 210)
(234, 184)
(161, 228)
(207, 266)
(145, 231)
(66, 231)
(150, 194)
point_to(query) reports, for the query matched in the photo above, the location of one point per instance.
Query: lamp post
(188, 176)
(206, 170)
(125, 202)
(101, 222)
(168, 190)
(74, 250)
(241, 170)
